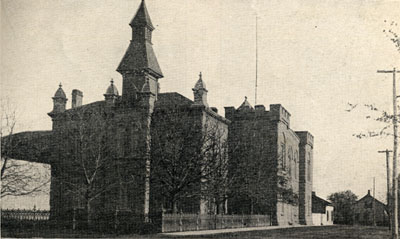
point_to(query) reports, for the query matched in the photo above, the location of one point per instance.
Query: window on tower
(309, 167)
(283, 155)
(148, 34)
(296, 156)
(290, 166)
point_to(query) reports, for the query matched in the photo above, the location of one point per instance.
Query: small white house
(322, 211)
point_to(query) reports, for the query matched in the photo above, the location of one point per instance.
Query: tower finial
(60, 85)
(200, 76)
(112, 81)
(245, 98)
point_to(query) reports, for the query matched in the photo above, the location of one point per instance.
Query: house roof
(172, 99)
(369, 197)
(319, 204)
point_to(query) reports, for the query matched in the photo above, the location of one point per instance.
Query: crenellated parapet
(279, 113)
(305, 138)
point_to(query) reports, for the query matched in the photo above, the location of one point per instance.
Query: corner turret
(59, 101)
(111, 94)
(200, 92)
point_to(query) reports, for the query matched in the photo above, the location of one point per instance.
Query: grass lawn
(327, 232)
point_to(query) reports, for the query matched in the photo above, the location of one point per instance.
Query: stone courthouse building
(107, 155)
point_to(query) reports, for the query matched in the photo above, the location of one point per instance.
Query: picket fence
(195, 222)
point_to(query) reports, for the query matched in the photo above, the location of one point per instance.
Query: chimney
(369, 192)
(77, 96)
(214, 109)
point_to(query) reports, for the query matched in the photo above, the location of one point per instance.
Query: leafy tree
(343, 202)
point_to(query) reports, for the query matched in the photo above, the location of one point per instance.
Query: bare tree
(257, 184)
(89, 157)
(392, 32)
(189, 159)
(18, 178)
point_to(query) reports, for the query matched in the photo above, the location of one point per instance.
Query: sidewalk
(228, 230)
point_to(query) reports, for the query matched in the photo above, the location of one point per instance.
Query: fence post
(34, 212)
(34, 219)
(215, 221)
(197, 222)
(180, 221)
(116, 220)
(74, 219)
(162, 219)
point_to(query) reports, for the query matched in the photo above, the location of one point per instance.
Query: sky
(314, 57)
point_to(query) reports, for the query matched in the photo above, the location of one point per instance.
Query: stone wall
(306, 176)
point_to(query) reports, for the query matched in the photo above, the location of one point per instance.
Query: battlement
(276, 113)
(305, 137)
(279, 113)
(260, 109)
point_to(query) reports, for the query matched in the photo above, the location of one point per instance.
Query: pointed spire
(140, 54)
(200, 84)
(112, 89)
(60, 92)
(142, 17)
(200, 92)
(59, 101)
(245, 105)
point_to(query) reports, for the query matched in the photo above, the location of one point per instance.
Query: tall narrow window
(290, 166)
(283, 153)
(296, 156)
(309, 167)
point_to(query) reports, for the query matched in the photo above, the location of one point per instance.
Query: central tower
(139, 64)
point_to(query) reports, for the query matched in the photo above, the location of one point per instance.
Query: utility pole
(373, 203)
(387, 152)
(256, 83)
(395, 228)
